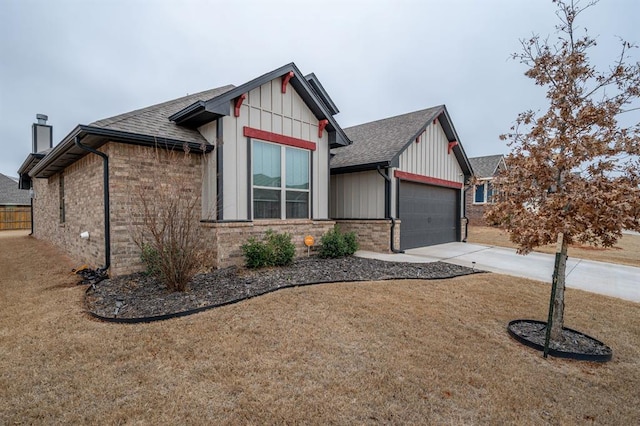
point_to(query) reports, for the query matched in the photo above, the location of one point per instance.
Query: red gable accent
(451, 145)
(250, 132)
(238, 104)
(426, 179)
(285, 81)
(321, 125)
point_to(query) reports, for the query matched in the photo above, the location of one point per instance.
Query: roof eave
(360, 167)
(458, 150)
(63, 154)
(315, 84)
(30, 162)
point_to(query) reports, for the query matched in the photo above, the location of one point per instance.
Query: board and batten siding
(267, 108)
(209, 195)
(430, 156)
(357, 195)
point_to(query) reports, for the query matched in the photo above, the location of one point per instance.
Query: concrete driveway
(597, 277)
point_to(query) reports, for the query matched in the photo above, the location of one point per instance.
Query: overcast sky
(80, 61)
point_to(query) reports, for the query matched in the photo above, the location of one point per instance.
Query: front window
(280, 182)
(483, 193)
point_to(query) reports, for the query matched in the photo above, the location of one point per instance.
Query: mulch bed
(573, 345)
(144, 296)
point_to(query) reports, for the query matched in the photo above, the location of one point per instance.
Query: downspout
(464, 212)
(31, 233)
(387, 209)
(105, 186)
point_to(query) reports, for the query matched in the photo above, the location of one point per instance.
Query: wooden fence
(15, 217)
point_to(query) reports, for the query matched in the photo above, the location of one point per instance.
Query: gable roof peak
(486, 166)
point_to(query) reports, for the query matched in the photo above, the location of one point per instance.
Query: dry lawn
(625, 252)
(403, 352)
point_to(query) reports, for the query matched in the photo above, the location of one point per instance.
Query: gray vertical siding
(357, 195)
(267, 108)
(429, 157)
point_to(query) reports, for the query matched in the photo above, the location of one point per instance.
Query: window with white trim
(280, 188)
(483, 193)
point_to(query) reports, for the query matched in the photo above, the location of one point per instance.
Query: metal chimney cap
(42, 118)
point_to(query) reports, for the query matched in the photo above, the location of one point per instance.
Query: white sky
(80, 61)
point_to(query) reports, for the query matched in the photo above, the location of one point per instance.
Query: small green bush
(274, 250)
(335, 244)
(151, 258)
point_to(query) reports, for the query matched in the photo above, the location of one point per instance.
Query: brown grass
(625, 252)
(380, 352)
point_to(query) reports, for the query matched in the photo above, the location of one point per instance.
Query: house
(265, 145)
(399, 185)
(485, 170)
(15, 205)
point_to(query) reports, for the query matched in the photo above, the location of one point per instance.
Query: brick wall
(373, 234)
(227, 238)
(474, 211)
(133, 170)
(138, 173)
(84, 211)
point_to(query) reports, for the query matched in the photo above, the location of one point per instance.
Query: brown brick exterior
(226, 238)
(83, 210)
(372, 234)
(133, 169)
(474, 212)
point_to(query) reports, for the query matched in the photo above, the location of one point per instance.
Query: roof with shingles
(153, 120)
(10, 194)
(382, 140)
(486, 166)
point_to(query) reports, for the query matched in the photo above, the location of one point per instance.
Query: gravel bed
(144, 296)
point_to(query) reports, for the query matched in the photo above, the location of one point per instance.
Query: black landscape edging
(560, 354)
(154, 318)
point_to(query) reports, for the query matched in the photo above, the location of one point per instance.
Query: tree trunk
(559, 278)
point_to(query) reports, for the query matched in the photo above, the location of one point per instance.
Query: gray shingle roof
(380, 141)
(10, 194)
(486, 166)
(153, 120)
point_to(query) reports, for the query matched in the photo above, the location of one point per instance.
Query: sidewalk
(597, 277)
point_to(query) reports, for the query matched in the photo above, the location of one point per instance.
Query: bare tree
(167, 212)
(573, 173)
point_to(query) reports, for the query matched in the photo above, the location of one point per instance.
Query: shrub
(274, 250)
(151, 258)
(165, 220)
(335, 244)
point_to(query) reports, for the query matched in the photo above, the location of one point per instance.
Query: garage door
(429, 215)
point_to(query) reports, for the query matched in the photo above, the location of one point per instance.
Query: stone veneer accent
(373, 234)
(226, 238)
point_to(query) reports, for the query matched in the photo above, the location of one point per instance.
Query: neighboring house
(481, 194)
(266, 146)
(15, 205)
(411, 167)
